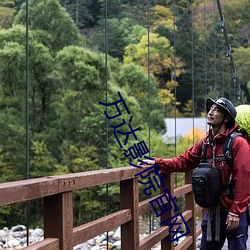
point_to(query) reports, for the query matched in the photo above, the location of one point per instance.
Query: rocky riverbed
(16, 238)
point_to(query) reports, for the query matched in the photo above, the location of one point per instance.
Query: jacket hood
(221, 136)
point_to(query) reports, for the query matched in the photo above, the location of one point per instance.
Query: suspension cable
(175, 87)
(148, 29)
(106, 82)
(174, 73)
(192, 77)
(27, 207)
(229, 54)
(229, 83)
(222, 68)
(149, 121)
(205, 50)
(215, 52)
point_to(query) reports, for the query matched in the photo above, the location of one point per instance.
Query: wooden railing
(59, 232)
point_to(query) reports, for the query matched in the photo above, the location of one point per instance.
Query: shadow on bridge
(59, 233)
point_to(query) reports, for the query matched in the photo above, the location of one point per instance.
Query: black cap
(223, 103)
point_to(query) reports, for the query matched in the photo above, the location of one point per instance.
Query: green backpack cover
(243, 119)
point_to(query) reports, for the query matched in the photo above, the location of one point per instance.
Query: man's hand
(149, 162)
(232, 222)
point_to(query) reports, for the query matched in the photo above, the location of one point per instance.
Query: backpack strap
(203, 155)
(227, 151)
(227, 148)
(203, 152)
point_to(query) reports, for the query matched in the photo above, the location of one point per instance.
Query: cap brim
(209, 103)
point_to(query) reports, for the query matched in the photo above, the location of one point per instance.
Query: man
(221, 115)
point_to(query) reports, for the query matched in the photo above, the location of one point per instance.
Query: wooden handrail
(58, 209)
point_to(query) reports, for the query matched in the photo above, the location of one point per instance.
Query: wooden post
(129, 197)
(58, 219)
(190, 205)
(169, 184)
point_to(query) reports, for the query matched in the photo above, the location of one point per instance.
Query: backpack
(243, 120)
(206, 185)
(206, 179)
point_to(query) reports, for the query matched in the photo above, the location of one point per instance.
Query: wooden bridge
(56, 192)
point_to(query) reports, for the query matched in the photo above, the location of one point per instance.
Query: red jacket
(241, 167)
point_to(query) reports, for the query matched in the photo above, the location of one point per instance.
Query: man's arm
(185, 162)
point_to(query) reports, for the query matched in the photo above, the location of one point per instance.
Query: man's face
(215, 116)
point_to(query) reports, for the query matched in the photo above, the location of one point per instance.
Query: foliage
(53, 25)
(161, 16)
(118, 31)
(13, 149)
(6, 17)
(242, 63)
(144, 89)
(160, 62)
(84, 13)
(160, 53)
(42, 163)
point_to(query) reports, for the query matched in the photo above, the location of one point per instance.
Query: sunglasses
(221, 102)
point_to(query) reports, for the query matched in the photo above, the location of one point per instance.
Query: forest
(163, 57)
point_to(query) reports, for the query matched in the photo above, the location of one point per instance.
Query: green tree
(135, 81)
(12, 113)
(80, 72)
(237, 21)
(53, 25)
(131, 9)
(241, 56)
(117, 31)
(161, 57)
(84, 13)
(13, 148)
(42, 163)
(13, 60)
(6, 17)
